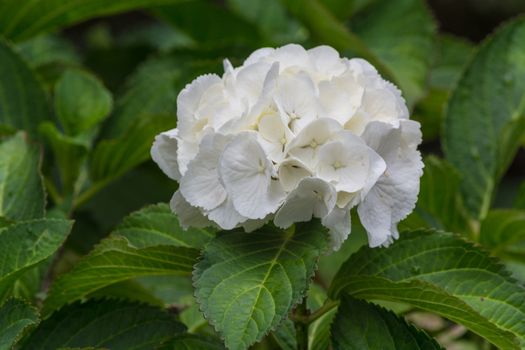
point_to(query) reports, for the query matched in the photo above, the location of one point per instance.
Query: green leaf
(70, 154)
(344, 9)
(502, 229)
(108, 324)
(404, 46)
(484, 118)
(157, 225)
(214, 27)
(112, 158)
(439, 204)
(22, 21)
(25, 244)
(449, 60)
(153, 89)
(23, 101)
(246, 283)
(193, 342)
(285, 335)
(127, 290)
(441, 273)
(362, 326)
(114, 260)
(21, 189)
(271, 18)
(81, 101)
(451, 55)
(16, 316)
(48, 49)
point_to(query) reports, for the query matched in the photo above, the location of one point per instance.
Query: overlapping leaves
(441, 273)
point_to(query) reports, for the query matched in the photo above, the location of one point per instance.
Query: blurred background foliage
(96, 80)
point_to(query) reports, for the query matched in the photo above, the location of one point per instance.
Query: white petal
(305, 145)
(188, 215)
(258, 55)
(345, 163)
(295, 96)
(226, 216)
(164, 153)
(246, 174)
(200, 185)
(394, 195)
(338, 223)
(326, 61)
(190, 97)
(186, 151)
(291, 55)
(250, 80)
(341, 97)
(291, 172)
(312, 198)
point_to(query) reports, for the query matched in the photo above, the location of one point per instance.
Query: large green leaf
(363, 326)
(23, 103)
(502, 229)
(114, 260)
(21, 189)
(109, 324)
(157, 225)
(485, 116)
(439, 203)
(441, 273)
(246, 283)
(16, 316)
(19, 21)
(81, 101)
(25, 244)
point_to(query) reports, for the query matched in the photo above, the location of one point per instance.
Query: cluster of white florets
(290, 135)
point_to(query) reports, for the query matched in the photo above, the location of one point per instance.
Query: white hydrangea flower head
(292, 135)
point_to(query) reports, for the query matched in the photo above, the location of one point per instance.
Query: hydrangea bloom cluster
(290, 135)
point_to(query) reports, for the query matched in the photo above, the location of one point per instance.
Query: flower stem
(301, 327)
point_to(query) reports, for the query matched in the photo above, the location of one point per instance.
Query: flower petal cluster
(290, 135)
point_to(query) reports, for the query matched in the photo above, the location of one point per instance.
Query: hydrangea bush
(348, 191)
(290, 135)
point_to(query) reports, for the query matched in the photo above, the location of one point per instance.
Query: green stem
(301, 327)
(53, 192)
(85, 196)
(326, 307)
